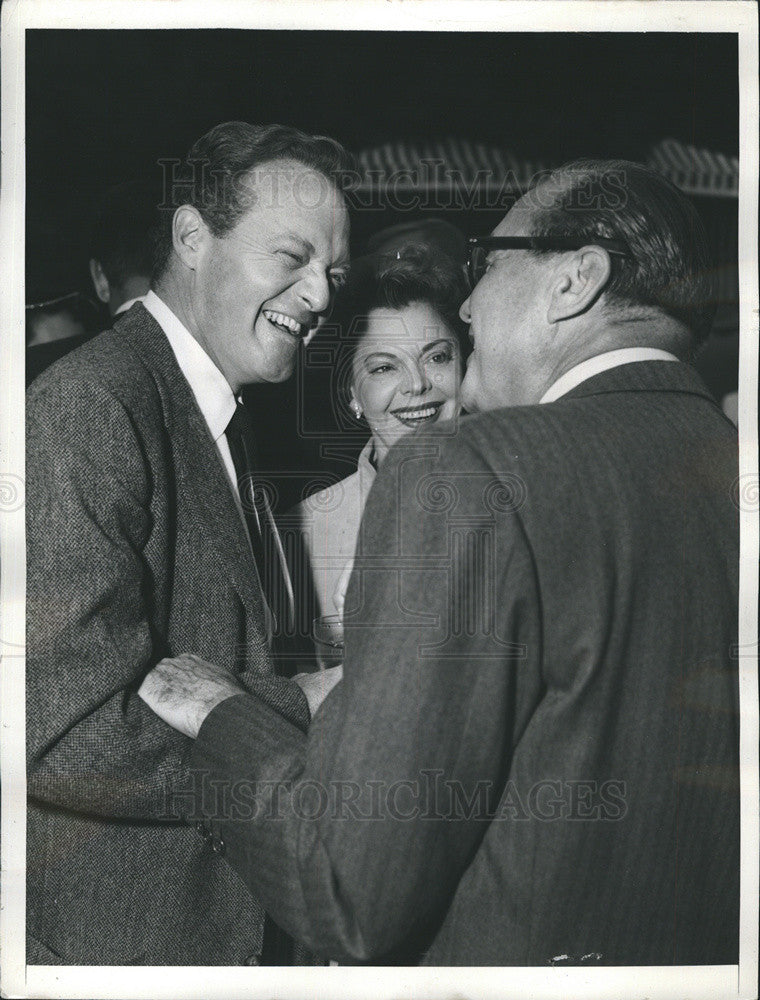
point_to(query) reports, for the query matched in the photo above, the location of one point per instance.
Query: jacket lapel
(202, 478)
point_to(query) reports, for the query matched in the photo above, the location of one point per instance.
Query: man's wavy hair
(670, 266)
(209, 178)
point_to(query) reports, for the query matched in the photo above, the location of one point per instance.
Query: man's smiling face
(258, 289)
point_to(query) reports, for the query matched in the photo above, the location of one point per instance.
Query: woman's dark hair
(415, 273)
(210, 176)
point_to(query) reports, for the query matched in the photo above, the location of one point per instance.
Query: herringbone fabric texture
(135, 550)
(532, 758)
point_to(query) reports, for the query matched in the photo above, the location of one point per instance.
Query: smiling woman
(403, 349)
(405, 373)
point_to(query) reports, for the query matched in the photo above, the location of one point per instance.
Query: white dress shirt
(128, 305)
(211, 389)
(217, 402)
(602, 363)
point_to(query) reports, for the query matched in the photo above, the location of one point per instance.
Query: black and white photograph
(379, 499)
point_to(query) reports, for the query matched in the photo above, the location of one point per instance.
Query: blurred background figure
(55, 326)
(437, 234)
(730, 406)
(121, 245)
(58, 308)
(67, 317)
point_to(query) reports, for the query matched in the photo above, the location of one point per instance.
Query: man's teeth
(417, 414)
(280, 319)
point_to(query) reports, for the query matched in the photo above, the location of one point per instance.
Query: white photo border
(598, 16)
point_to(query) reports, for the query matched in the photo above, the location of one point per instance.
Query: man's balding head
(536, 313)
(669, 267)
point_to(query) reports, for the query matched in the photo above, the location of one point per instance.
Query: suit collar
(211, 389)
(601, 363)
(203, 479)
(641, 376)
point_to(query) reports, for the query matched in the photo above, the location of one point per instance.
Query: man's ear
(189, 232)
(100, 281)
(579, 283)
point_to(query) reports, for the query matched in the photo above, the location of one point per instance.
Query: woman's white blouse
(329, 525)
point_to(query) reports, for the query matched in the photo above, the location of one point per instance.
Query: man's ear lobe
(188, 233)
(100, 281)
(579, 284)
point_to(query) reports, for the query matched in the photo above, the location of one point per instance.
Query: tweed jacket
(532, 758)
(135, 551)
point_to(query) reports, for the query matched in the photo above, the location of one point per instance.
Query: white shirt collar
(128, 305)
(602, 363)
(211, 389)
(366, 470)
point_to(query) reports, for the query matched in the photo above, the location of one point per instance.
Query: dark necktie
(242, 444)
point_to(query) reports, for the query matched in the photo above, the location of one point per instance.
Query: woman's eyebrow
(379, 354)
(436, 344)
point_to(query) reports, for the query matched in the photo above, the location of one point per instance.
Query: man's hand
(183, 690)
(316, 686)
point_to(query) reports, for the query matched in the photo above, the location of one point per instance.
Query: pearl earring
(357, 409)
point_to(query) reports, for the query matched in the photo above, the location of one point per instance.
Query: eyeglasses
(479, 248)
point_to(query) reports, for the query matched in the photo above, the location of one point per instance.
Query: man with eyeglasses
(532, 757)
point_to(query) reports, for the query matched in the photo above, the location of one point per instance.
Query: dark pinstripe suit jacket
(135, 550)
(532, 757)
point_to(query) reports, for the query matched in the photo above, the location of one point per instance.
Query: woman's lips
(413, 416)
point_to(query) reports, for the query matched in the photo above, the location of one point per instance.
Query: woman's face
(406, 373)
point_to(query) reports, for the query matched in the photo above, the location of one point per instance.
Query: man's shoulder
(514, 445)
(485, 433)
(477, 440)
(558, 438)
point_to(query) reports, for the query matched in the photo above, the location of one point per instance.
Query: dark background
(105, 106)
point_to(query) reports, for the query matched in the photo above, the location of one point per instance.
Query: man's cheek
(468, 392)
(471, 375)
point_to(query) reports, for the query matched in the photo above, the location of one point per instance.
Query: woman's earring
(357, 409)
